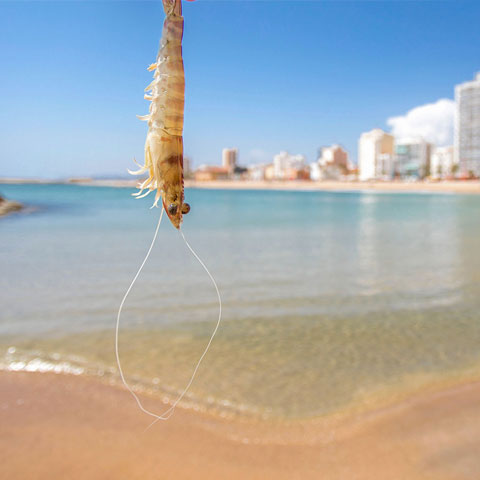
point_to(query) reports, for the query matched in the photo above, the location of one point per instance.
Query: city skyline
(256, 78)
(435, 141)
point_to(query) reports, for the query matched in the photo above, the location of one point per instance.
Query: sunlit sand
(60, 426)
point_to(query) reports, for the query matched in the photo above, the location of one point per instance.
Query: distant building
(257, 172)
(289, 167)
(208, 173)
(442, 162)
(375, 154)
(301, 173)
(270, 171)
(412, 158)
(315, 172)
(229, 159)
(187, 167)
(385, 166)
(467, 127)
(332, 162)
(334, 155)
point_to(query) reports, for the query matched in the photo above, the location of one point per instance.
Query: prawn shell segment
(171, 170)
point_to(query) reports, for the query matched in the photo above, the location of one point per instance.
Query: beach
(240, 240)
(62, 426)
(468, 187)
(348, 346)
(444, 186)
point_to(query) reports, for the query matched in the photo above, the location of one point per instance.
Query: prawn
(164, 163)
(164, 143)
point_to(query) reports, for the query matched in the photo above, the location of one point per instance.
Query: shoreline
(462, 187)
(361, 404)
(447, 186)
(59, 426)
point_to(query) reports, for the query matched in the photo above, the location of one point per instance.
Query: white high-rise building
(442, 163)
(375, 151)
(467, 127)
(284, 164)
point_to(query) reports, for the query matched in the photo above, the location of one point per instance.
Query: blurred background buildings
(381, 155)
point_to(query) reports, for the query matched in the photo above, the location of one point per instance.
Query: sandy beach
(217, 265)
(466, 187)
(61, 426)
(332, 186)
(412, 314)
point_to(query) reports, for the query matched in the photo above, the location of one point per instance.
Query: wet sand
(68, 427)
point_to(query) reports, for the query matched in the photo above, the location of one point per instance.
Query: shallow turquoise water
(327, 296)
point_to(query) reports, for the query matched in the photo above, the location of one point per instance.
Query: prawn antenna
(169, 412)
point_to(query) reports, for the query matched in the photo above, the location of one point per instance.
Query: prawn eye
(185, 208)
(172, 208)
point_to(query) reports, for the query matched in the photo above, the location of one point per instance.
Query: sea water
(327, 297)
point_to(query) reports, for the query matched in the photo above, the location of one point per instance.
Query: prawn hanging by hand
(164, 144)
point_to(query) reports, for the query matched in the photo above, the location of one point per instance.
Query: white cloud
(433, 121)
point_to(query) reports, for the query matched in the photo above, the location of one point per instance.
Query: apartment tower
(375, 154)
(467, 127)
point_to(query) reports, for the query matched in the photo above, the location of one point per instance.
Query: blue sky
(263, 76)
